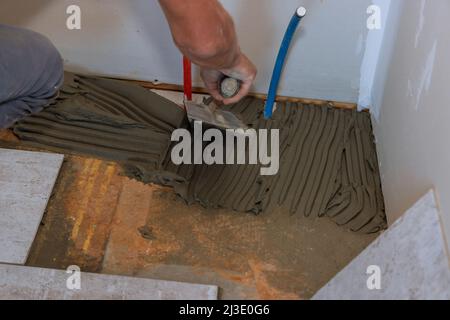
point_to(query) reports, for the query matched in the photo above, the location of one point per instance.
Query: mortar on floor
(328, 159)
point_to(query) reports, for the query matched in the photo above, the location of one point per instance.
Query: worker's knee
(31, 70)
(50, 67)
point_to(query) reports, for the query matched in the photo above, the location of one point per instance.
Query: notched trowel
(209, 113)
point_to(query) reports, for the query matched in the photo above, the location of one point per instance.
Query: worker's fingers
(215, 94)
(211, 80)
(214, 91)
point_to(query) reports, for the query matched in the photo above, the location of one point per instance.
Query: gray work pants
(31, 73)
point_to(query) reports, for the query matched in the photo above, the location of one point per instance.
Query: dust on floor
(104, 222)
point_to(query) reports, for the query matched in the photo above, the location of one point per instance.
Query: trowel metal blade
(216, 117)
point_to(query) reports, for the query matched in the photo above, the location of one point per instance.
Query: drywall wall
(377, 57)
(373, 50)
(412, 129)
(131, 39)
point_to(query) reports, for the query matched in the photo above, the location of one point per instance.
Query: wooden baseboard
(175, 87)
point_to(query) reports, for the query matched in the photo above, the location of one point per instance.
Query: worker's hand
(244, 71)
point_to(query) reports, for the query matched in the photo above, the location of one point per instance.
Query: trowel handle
(212, 107)
(229, 87)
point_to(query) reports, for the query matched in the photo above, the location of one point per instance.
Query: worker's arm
(205, 33)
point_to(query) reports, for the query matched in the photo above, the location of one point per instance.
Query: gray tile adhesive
(328, 161)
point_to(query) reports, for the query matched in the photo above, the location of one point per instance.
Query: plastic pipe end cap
(229, 87)
(301, 12)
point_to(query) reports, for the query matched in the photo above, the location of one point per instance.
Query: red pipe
(187, 75)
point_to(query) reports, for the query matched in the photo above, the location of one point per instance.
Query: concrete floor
(104, 222)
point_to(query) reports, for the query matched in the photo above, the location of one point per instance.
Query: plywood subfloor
(102, 221)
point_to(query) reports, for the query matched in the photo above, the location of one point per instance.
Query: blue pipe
(295, 21)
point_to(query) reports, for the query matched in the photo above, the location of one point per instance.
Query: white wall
(373, 53)
(377, 57)
(412, 129)
(131, 39)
